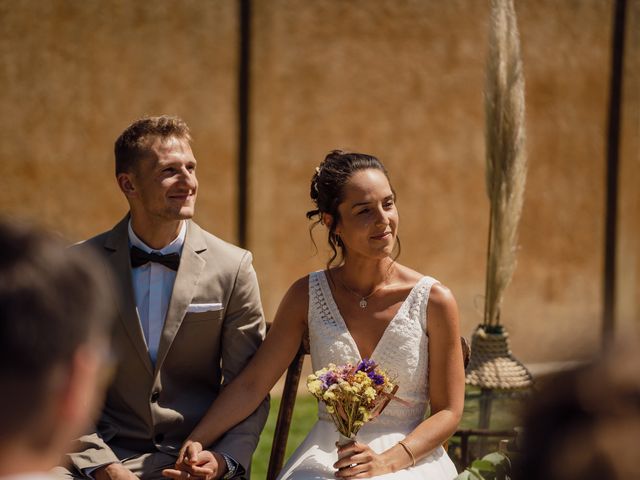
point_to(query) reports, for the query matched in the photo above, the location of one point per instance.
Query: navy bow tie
(140, 257)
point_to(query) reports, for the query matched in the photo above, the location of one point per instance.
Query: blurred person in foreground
(191, 319)
(584, 424)
(55, 311)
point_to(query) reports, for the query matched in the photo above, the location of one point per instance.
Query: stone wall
(76, 73)
(400, 79)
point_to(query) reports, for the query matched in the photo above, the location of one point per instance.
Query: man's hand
(189, 452)
(193, 461)
(114, 471)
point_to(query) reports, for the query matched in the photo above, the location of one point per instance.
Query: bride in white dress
(365, 306)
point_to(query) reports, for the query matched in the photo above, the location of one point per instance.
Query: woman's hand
(357, 460)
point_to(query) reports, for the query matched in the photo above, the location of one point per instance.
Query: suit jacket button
(159, 438)
(155, 396)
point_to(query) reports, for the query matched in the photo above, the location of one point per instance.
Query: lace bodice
(402, 351)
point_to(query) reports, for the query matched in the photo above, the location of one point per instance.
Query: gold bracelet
(409, 452)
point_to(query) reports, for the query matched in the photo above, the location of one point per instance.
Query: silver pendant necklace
(363, 300)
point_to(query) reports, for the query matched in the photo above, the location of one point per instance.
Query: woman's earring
(336, 239)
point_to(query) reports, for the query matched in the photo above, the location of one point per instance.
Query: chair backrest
(288, 402)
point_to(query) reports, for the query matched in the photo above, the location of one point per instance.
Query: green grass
(504, 416)
(304, 416)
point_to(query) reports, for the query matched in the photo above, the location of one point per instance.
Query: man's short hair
(52, 301)
(134, 142)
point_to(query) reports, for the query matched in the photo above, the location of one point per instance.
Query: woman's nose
(382, 218)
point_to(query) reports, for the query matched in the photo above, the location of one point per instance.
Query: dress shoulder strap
(319, 308)
(420, 303)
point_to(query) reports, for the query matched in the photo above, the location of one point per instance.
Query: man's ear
(126, 184)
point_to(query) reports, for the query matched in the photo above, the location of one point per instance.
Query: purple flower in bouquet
(366, 365)
(369, 367)
(328, 378)
(376, 377)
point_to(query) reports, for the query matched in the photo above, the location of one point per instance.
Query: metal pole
(613, 141)
(244, 87)
(484, 416)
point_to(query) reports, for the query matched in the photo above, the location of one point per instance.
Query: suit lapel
(118, 243)
(191, 265)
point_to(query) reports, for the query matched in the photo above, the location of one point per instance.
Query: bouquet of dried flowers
(353, 395)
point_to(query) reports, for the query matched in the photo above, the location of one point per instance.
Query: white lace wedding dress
(403, 352)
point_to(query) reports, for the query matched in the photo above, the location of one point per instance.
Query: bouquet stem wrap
(344, 440)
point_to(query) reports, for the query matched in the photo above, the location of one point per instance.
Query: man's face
(164, 181)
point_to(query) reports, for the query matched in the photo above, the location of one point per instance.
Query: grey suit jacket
(153, 408)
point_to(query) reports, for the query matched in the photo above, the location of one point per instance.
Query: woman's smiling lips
(381, 236)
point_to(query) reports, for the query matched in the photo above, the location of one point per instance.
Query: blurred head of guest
(585, 423)
(56, 306)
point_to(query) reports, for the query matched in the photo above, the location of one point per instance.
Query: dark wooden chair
(288, 402)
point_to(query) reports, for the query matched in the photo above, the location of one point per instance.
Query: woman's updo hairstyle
(327, 189)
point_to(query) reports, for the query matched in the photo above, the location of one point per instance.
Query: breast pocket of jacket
(204, 312)
(197, 342)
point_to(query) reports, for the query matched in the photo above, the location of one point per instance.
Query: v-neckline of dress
(337, 315)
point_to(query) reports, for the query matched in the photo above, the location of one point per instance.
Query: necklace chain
(363, 299)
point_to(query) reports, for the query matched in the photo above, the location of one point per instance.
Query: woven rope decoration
(492, 365)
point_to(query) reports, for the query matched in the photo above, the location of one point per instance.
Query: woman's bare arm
(446, 379)
(243, 395)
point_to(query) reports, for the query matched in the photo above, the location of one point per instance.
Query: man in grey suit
(191, 319)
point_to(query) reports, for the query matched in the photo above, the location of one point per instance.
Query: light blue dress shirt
(152, 288)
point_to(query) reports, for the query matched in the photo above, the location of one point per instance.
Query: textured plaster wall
(74, 74)
(403, 80)
(400, 79)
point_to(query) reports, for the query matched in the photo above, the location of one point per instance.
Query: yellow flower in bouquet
(353, 395)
